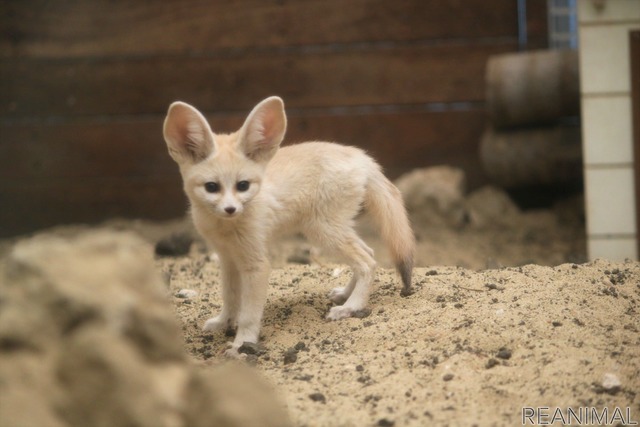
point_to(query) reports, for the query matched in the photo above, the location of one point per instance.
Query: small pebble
(187, 293)
(447, 377)
(290, 356)
(318, 397)
(491, 363)
(504, 353)
(611, 383)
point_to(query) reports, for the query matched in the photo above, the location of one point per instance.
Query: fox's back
(316, 167)
(314, 178)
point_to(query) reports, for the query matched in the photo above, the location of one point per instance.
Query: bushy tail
(384, 202)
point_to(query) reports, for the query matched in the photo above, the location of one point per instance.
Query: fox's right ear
(187, 134)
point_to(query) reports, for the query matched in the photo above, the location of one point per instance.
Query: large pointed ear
(187, 134)
(263, 130)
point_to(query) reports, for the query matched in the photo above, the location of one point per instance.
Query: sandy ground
(503, 318)
(467, 348)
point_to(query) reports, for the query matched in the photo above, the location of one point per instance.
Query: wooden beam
(29, 205)
(407, 75)
(99, 28)
(82, 171)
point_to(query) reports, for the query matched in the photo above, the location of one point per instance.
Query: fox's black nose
(230, 210)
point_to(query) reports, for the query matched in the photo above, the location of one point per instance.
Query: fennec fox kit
(244, 189)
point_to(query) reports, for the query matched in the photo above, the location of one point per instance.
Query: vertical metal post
(522, 24)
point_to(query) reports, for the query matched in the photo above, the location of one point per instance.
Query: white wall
(605, 84)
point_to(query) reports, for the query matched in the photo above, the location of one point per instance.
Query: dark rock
(175, 245)
(251, 349)
(290, 356)
(361, 314)
(491, 363)
(318, 397)
(305, 377)
(504, 353)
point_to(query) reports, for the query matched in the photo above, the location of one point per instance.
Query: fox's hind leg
(359, 256)
(341, 294)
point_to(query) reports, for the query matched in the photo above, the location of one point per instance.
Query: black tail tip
(405, 269)
(406, 291)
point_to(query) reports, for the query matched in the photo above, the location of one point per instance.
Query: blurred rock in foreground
(88, 337)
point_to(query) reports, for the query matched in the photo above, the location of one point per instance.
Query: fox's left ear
(263, 130)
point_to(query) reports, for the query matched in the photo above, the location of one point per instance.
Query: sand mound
(88, 338)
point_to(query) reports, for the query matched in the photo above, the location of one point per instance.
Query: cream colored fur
(316, 188)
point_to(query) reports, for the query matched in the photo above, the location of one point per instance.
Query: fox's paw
(233, 352)
(339, 312)
(338, 295)
(215, 324)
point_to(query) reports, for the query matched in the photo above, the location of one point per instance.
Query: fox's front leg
(227, 318)
(254, 280)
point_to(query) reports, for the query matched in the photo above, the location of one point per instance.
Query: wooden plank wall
(84, 86)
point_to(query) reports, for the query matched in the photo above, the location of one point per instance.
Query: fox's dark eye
(212, 187)
(243, 185)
